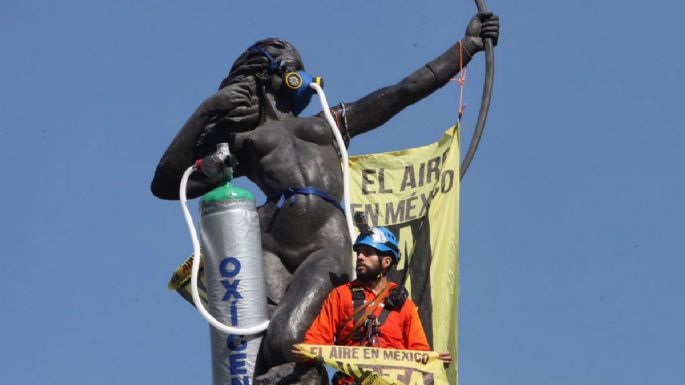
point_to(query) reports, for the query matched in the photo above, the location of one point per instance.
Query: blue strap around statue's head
(273, 64)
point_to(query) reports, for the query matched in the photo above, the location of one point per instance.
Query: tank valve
(217, 163)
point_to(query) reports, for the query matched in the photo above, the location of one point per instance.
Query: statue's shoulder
(311, 129)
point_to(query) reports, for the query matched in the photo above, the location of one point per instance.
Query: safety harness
(290, 193)
(363, 315)
(371, 324)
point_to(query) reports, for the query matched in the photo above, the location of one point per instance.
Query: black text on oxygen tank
(229, 270)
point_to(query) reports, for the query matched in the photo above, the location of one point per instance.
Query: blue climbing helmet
(380, 239)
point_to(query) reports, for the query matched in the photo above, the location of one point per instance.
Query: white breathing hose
(196, 268)
(343, 155)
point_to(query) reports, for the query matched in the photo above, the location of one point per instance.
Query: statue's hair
(252, 61)
(247, 70)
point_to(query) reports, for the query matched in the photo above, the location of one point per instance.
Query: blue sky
(571, 221)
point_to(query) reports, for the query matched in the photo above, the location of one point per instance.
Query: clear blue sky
(572, 212)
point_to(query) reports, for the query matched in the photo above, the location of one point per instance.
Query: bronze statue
(306, 245)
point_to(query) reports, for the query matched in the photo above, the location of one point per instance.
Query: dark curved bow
(485, 101)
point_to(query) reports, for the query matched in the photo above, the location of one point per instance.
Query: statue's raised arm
(233, 106)
(378, 107)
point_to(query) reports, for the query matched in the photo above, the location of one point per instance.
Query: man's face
(368, 263)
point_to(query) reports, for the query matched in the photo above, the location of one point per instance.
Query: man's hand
(446, 359)
(297, 353)
(483, 25)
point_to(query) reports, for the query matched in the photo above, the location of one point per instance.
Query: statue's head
(264, 60)
(272, 66)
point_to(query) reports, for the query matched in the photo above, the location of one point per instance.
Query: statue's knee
(280, 336)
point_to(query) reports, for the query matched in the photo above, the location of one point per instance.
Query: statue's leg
(312, 281)
(277, 280)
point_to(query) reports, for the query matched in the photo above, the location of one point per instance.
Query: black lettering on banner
(364, 376)
(433, 169)
(409, 179)
(368, 377)
(353, 370)
(366, 181)
(367, 374)
(425, 203)
(447, 175)
(355, 207)
(411, 205)
(393, 374)
(428, 378)
(381, 182)
(371, 213)
(444, 156)
(370, 210)
(396, 214)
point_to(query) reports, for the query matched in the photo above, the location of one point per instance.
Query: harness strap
(290, 193)
(357, 303)
(384, 315)
(370, 308)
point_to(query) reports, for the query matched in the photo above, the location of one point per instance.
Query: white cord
(196, 268)
(343, 155)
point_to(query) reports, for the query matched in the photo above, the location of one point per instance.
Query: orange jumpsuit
(401, 330)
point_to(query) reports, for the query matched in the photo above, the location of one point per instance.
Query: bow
(485, 101)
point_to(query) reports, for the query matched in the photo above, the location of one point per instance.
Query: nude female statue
(306, 245)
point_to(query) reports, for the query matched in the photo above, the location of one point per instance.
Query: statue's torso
(296, 153)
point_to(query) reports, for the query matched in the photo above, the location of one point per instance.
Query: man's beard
(369, 274)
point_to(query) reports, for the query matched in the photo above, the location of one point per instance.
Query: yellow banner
(375, 366)
(415, 193)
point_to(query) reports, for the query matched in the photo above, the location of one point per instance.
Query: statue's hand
(237, 100)
(234, 108)
(483, 25)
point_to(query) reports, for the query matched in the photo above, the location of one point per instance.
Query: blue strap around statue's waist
(292, 191)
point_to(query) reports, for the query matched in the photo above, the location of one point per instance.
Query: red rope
(461, 79)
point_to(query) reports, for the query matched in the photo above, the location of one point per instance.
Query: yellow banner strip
(376, 366)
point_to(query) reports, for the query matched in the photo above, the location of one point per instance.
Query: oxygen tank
(234, 277)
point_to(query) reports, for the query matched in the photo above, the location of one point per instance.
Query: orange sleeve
(415, 337)
(323, 329)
